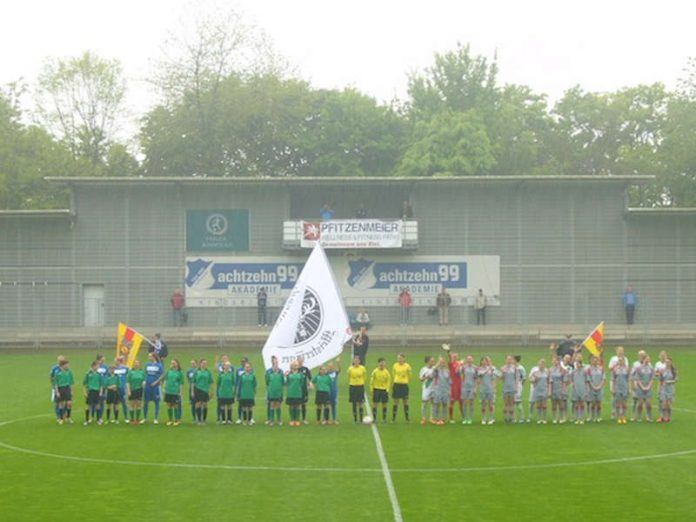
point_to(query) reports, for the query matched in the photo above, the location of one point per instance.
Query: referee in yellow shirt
(357, 375)
(380, 381)
(402, 376)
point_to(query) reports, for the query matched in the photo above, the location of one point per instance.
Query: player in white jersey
(641, 357)
(661, 364)
(530, 410)
(426, 377)
(620, 352)
(487, 375)
(643, 377)
(522, 374)
(469, 373)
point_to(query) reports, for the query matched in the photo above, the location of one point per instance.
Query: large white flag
(313, 322)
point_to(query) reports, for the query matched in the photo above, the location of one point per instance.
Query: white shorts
(518, 392)
(427, 394)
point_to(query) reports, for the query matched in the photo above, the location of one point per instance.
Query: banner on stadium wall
(363, 280)
(221, 230)
(378, 280)
(353, 233)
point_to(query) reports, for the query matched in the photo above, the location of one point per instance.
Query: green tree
(256, 130)
(197, 64)
(676, 184)
(268, 126)
(615, 133)
(350, 134)
(27, 155)
(519, 130)
(449, 144)
(120, 162)
(457, 81)
(509, 124)
(80, 101)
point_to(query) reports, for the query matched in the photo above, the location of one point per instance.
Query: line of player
(445, 382)
(566, 380)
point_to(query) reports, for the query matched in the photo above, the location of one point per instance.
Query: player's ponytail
(674, 370)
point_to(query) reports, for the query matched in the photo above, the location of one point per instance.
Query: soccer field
(605, 471)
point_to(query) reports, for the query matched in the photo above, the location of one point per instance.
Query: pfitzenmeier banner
(352, 233)
(363, 280)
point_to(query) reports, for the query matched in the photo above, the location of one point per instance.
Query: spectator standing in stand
(405, 301)
(443, 301)
(362, 319)
(178, 303)
(326, 212)
(361, 213)
(406, 211)
(630, 301)
(261, 306)
(480, 304)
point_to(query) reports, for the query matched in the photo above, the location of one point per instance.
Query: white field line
(396, 508)
(384, 469)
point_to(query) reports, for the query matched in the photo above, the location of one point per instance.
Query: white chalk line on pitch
(684, 409)
(391, 490)
(231, 467)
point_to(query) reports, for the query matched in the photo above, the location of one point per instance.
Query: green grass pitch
(601, 471)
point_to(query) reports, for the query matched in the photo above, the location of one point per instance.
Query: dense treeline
(219, 116)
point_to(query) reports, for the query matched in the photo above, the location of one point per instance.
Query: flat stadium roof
(41, 213)
(661, 211)
(190, 180)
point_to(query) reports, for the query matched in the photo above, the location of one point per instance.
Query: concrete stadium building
(545, 250)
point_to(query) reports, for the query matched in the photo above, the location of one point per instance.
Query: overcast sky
(373, 45)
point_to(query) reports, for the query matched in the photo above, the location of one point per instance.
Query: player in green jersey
(202, 387)
(226, 387)
(93, 386)
(275, 380)
(173, 384)
(296, 382)
(111, 383)
(323, 383)
(62, 385)
(247, 394)
(134, 387)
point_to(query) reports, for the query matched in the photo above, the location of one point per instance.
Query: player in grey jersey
(620, 375)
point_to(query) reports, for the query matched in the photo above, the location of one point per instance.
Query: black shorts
(225, 402)
(200, 395)
(93, 398)
(112, 397)
(296, 401)
(65, 394)
(171, 398)
(246, 403)
(136, 395)
(356, 393)
(400, 390)
(380, 396)
(274, 399)
(323, 398)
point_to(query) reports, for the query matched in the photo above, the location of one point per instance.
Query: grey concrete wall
(567, 249)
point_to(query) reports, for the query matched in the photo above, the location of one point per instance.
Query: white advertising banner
(363, 280)
(353, 233)
(313, 322)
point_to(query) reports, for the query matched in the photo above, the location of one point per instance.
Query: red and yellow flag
(128, 343)
(595, 340)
